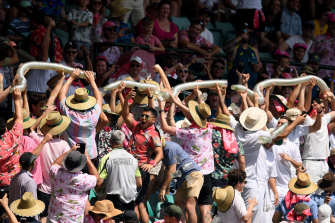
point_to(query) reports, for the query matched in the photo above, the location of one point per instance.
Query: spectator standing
(205, 15)
(97, 8)
(321, 26)
(323, 43)
(290, 22)
(250, 12)
(135, 13)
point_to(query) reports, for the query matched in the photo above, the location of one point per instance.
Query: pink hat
(331, 17)
(280, 52)
(300, 45)
(109, 24)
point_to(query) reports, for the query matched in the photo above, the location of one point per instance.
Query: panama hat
(292, 113)
(54, 123)
(222, 121)
(117, 9)
(74, 161)
(327, 183)
(106, 108)
(105, 207)
(253, 118)
(141, 96)
(183, 123)
(199, 112)
(27, 121)
(302, 184)
(27, 206)
(223, 197)
(80, 100)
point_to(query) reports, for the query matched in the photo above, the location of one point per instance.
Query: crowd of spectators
(72, 152)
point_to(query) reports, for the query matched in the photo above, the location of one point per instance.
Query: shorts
(205, 196)
(46, 199)
(219, 182)
(156, 169)
(143, 189)
(190, 187)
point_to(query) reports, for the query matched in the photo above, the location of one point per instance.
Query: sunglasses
(97, 3)
(135, 65)
(145, 116)
(71, 51)
(218, 67)
(183, 71)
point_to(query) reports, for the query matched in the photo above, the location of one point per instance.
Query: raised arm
(40, 146)
(164, 125)
(318, 121)
(43, 53)
(62, 93)
(308, 100)
(293, 96)
(157, 68)
(90, 78)
(4, 203)
(125, 110)
(18, 117)
(56, 89)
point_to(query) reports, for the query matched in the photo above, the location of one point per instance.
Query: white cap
(137, 59)
(324, 213)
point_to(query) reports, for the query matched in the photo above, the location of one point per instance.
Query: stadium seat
(181, 22)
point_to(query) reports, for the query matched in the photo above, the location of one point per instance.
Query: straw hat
(74, 161)
(183, 123)
(292, 113)
(80, 100)
(117, 9)
(141, 96)
(302, 184)
(327, 183)
(54, 123)
(199, 112)
(27, 121)
(27, 206)
(105, 207)
(105, 108)
(253, 118)
(222, 121)
(223, 197)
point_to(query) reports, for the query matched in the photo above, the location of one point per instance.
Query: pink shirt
(50, 152)
(151, 40)
(197, 142)
(69, 195)
(29, 145)
(161, 34)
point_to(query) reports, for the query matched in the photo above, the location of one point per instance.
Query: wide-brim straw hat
(302, 184)
(224, 197)
(141, 96)
(27, 121)
(27, 206)
(106, 108)
(80, 101)
(183, 123)
(253, 119)
(54, 123)
(222, 121)
(117, 9)
(327, 183)
(199, 112)
(105, 207)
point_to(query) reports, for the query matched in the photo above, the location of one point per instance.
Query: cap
(70, 45)
(174, 211)
(314, 58)
(137, 59)
(108, 24)
(129, 215)
(280, 52)
(308, 23)
(25, 4)
(324, 213)
(27, 158)
(331, 17)
(300, 45)
(205, 11)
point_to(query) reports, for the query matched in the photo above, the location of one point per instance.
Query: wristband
(319, 112)
(152, 162)
(151, 97)
(160, 111)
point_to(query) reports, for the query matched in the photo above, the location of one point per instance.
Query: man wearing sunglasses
(145, 145)
(135, 66)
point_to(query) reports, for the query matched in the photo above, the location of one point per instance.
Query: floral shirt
(223, 160)
(10, 152)
(81, 33)
(321, 43)
(103, 141)
(197, 142)
(69, 195)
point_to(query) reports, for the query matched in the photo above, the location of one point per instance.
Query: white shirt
(317, 143)
(207, 35)
(298, 39)
(332, 141)
(236, 211)
(283, 166)
(265, 165)
(251, 146)
(124, 76)
(249, 4)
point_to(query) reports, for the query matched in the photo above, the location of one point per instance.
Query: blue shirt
(319, 199)
(174, 154)
(311, 204)
(290, 23)
(126, 37)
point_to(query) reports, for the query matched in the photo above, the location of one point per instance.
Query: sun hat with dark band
(80, 101)
(223, 197)
(54, 123)
(253, 119)
(27, 206)
(105, 207)
(106, 108)
(141, 96)
(222, 121)
(302, 185)
(27, 121)
(74, 161)
(199, 112)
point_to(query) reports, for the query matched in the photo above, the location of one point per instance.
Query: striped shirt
(82, 127)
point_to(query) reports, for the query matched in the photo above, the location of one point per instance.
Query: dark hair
(197, 22)
(218, 60)
(286, 118)
(147, 21)
(151, 110)
(35, 98)
(164, 2)
(236, 176)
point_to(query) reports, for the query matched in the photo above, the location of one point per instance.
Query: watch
(160, 111)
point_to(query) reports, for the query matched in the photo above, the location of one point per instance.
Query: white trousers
(136, 12)
(316, 170)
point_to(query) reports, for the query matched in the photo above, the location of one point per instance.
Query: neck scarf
(229, 140)
(292, 198)
(293, 216)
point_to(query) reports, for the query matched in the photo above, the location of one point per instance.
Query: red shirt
(10, 152)
(142, 142)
